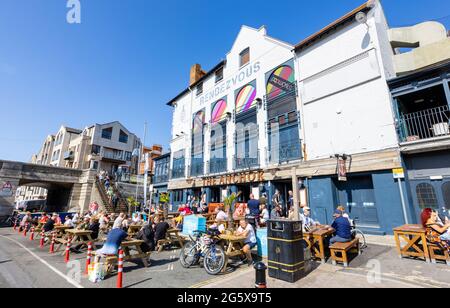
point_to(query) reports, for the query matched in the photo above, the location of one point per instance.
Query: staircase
(107, 204)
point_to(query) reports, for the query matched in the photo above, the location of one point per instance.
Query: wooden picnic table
(416, 242)
(172, 236)
(80, 238)
(233, 245)
(316, 241)
(133, 229)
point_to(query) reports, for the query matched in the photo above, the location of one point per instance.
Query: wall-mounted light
(229, 115)
(259, 102)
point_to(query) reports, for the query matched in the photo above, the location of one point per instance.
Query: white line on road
(68, 279)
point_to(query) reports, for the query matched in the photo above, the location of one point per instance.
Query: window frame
(244, 52)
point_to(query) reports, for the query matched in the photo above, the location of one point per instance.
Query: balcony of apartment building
(113, 156)
(423, 115)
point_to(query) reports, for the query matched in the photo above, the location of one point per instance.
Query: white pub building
(317, 116)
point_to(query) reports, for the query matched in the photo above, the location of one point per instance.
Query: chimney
(196, 74)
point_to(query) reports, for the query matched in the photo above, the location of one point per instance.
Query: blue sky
(128, 58)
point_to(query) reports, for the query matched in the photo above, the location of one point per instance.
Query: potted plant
(164, 200)
(132, 204)
(229, 203)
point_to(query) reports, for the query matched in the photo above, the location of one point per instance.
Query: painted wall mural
(199, 121)
(246, 98)
(219, 111)
(281, 81)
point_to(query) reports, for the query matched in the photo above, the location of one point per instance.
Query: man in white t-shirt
(221, 215)
(247, 230)
(119, 221)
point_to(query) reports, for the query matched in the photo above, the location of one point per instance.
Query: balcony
(246, 163)
(177, 173)
(159, 179)
(425, 124)
(197, 167)
(69, 155)
(217, 165)
(287, 153)
(113, 156)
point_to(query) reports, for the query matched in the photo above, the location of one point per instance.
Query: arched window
(446, 194)
(426, 196)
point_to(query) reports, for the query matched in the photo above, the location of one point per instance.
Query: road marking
(68, 279)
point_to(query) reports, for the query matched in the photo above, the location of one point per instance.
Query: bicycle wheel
(214, 261)
(362, 238)
(189, 255)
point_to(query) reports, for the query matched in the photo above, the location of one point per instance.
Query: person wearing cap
(342, 227)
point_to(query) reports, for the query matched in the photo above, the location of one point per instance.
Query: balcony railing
(425, 124)
(242, 163)
(158, 179)
(286, 153)
(217, 165)
(197, 167)
(177, 173)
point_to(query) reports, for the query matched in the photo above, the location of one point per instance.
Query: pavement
(24, 264)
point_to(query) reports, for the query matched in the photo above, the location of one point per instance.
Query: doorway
(358, 197)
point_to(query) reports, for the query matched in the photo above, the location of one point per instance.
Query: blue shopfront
(373, 198)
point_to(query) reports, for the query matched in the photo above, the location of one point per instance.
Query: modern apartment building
(99, 147)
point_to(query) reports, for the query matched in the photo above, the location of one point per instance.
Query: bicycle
(8, 220)
(357, 233)
(205, 245)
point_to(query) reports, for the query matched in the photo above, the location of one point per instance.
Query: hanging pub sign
(342, 169)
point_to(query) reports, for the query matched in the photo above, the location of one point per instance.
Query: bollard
(120, 270)
(88, 258)
(32, 234)
(42, 241)
(52, 245)
(260, 281)
(25, 230)
(67, 256)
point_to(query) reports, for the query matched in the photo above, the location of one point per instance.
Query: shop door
(358, 197)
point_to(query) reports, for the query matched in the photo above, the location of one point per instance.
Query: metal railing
(197, 167)
(286, 153)
(177, 173)
(217, 165)
(425, 124)
(242, 163)
(158, 179)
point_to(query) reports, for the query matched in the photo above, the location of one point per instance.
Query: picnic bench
(315, 240)
(80, 238)
(416, 242)
(339, 251)
(438, 254)
(128, 248)
(172, 237)
(133, 229)
(233, 245)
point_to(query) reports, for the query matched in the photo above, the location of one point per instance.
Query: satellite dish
(361, 17)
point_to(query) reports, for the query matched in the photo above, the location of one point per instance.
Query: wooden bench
(339, 251)
(438, 254)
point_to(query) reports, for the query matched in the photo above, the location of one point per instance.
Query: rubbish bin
(286, 250)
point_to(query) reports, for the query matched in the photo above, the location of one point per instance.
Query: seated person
(69, 222)
(308, 223)
(277, 212)
(219, 225)
(44, 218)
(161, 228)
(49, 225)
(344, 214)
(113, 242)
(185, 210)
(94, 226)
(342, 227)
(239, 212)
(264, 214)
(246, 229)
(436, 233)
(85, 224)
(147, 234)
(58, 220)
(221, 215)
